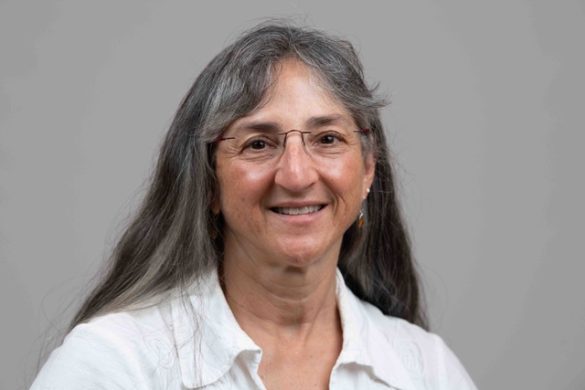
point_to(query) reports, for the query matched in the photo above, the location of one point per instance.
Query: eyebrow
(311, 123)
(325, 120)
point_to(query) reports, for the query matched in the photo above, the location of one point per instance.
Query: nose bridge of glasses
(297, 150)
(295, 166)
(286, 134)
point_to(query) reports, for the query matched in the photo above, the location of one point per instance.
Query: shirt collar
(205, 313)
(365, 344)
(220, 339)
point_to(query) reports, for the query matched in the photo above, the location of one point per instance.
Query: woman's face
(291, 205)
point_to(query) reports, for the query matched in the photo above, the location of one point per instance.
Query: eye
(328, 139)
(257, 144)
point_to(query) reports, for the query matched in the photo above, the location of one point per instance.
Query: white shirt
(162, 347)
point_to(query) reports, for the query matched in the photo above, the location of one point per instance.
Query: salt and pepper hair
(175, 238)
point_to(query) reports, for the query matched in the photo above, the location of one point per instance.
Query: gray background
(486, 126)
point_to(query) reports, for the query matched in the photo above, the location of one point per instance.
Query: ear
(369, 173)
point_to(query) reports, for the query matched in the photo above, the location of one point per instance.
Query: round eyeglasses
(267, 146)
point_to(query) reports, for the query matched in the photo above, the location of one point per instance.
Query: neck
(279, 301)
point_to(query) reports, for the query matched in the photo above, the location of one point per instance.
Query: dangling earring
(361, 219)
(214, 228)
(212, 232)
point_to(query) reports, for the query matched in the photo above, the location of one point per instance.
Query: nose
(295, 170)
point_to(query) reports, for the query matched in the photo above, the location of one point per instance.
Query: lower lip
(300, 219)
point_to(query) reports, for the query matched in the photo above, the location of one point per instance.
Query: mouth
(305, 210)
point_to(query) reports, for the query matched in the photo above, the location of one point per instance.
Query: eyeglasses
(266, 147)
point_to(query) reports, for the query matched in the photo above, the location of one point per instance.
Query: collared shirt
(192, 340)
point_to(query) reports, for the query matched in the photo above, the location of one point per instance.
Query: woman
(269, 250)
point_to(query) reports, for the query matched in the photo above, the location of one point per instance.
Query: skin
(279, 270)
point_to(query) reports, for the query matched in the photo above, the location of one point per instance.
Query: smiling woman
(270, 251)
(287, 198)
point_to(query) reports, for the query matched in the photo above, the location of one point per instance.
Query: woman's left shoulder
(399, 330)
(423, 354)
(395, 328)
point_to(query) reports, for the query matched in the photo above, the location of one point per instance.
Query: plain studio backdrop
(486, 127)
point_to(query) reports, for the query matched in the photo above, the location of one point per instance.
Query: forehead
(298, 97)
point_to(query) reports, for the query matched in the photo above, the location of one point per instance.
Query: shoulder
(402, 333)
(129, 349)
(425, 357)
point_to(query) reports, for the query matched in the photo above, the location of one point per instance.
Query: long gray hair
(175, 238)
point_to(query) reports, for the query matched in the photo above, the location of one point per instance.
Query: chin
(302, 254)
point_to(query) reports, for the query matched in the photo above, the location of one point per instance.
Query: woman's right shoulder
(127, 349)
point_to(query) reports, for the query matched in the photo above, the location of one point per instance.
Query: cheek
(347, 179)
(240, 187)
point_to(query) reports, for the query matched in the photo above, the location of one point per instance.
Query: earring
(212, 232)
(361, 219)
(214, 228)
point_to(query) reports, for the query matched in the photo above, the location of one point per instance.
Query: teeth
(297, 210)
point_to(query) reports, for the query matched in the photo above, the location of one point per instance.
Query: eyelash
(249, 143)
(337, 137)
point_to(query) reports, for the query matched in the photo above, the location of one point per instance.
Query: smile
(297, 210)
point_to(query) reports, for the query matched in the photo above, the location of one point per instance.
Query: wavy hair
(175, 238)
